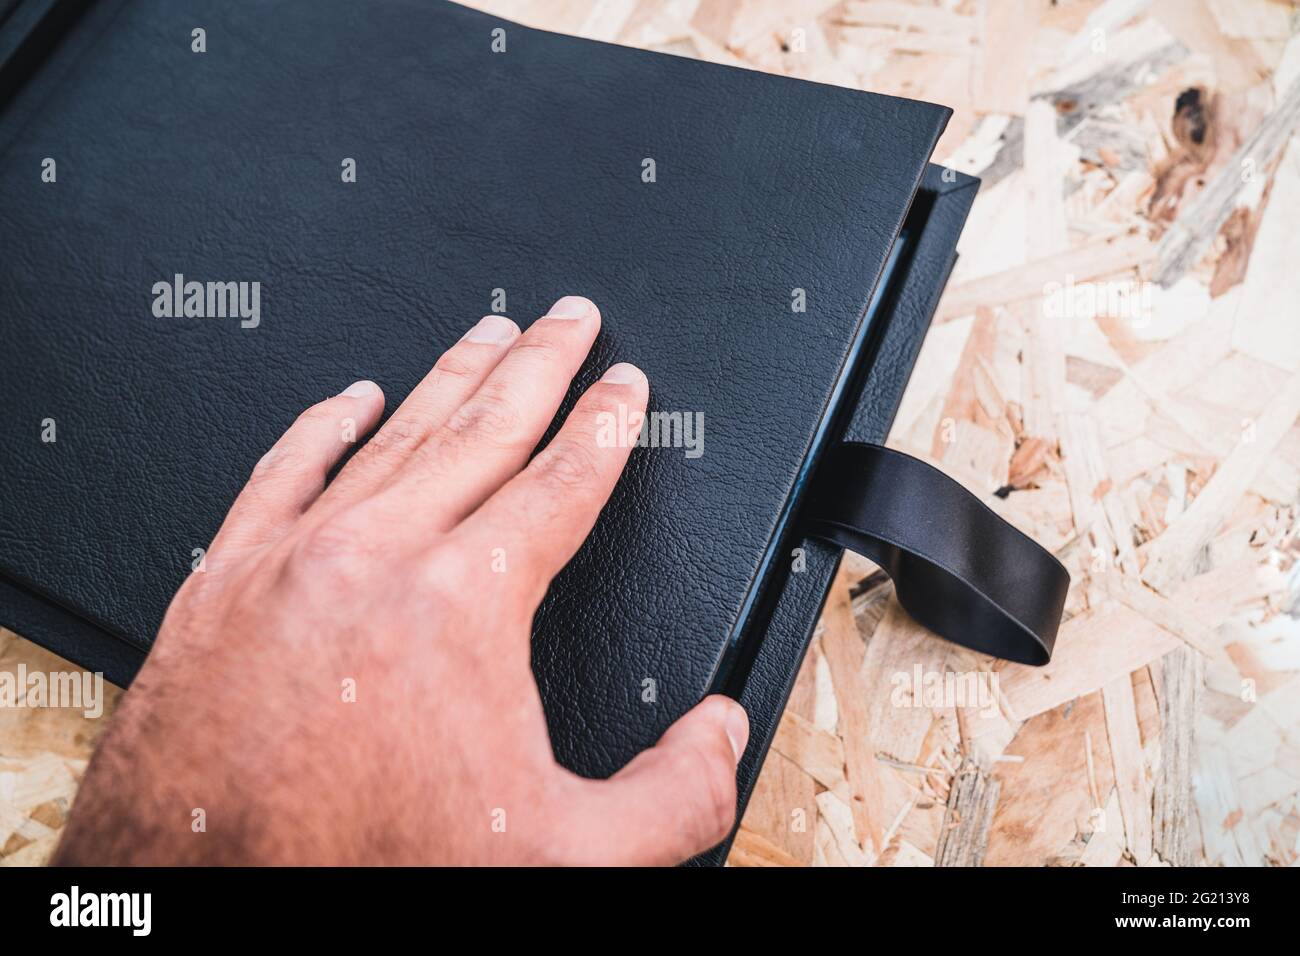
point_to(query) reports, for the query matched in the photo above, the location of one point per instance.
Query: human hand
(381, 588)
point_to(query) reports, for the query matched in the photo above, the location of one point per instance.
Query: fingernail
(570, 307)
(492, 330)
(737, 725)
(623, 373)
(361, 389)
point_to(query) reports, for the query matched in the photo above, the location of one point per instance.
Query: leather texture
(957, 567)
(476, 171)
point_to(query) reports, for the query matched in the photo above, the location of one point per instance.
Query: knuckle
(288, 455)
(599, 416)
(314, 414)
(278, 469)
(488, 414)
(537, 347)
(396, 439)
(567, 463)
(334, 549)
(445, 575)
(456, 364)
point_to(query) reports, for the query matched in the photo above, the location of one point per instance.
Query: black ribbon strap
(957, 567)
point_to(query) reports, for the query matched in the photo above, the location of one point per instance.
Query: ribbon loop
(958, 568)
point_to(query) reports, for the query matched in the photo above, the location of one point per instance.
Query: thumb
(676, 799)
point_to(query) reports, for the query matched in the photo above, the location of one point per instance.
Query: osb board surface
(1117, 354)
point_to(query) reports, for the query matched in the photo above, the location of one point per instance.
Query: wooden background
(1118, 353)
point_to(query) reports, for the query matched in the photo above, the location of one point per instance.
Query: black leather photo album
(375, 176)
